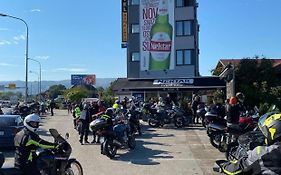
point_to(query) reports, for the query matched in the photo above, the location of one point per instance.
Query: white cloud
(35, 10)
(4, 42)
(71, 69)
(7, 64)
(42, 57)
(18, 38)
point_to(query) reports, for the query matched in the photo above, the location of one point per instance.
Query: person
(76, 115)
(195, 103)
(52, 106)
(69, 107)
(94, 109)
(263, 159)
(26, 142)
(116, 105)
(107, 116)
(85, 119)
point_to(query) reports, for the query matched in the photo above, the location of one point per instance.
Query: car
(10, 125)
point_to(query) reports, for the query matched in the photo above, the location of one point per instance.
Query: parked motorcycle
(51, 161)
(168, 116)
(115, 137)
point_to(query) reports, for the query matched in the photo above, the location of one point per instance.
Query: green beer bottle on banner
(161, 39)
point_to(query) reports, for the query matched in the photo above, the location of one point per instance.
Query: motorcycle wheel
(215, 140)
(73, 168)
(231, 151)
(179, 123)
(110, 149)
(132, 142)
(153, 123)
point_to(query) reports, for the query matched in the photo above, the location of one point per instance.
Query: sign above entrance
(173, 82)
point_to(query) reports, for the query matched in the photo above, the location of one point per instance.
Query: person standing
(194, 105)
(94, 109)
(85, 119)
(52, 106)
(76, 115)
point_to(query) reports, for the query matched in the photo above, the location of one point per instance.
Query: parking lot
(159, 150)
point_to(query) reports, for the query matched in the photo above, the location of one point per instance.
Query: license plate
(1, 133)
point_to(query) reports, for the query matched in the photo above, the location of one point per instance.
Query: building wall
(182, 42)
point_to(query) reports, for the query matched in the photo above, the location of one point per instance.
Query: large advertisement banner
(83, 79)
(157, 35)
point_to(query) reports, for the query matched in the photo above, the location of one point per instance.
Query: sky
(84, 37)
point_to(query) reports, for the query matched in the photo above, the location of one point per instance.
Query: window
(135, 56)
(135, 2)
(135, 28)
(183, 57)
(184, 3)
(184, 28)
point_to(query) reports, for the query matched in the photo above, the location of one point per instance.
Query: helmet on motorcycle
(270, 126)
(240, 96)
(109, 112)
(31, 122)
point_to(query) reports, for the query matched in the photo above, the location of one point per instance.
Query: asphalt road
(159, 150)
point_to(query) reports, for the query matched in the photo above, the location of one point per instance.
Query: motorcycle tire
(153, 123)
(179, 122)
(231, 150)
(132, 142)
(110, 149)
(213, 140)
(73, 167)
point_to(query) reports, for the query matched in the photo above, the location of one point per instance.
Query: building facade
(185, 49)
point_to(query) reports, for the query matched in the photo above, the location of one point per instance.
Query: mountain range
(33, 85)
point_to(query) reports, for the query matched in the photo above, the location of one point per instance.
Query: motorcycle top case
(119, 129)
(98, 124)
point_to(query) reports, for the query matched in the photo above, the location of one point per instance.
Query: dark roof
(122, 84)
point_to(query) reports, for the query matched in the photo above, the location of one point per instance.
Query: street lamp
(38, 79)
(26, 54)
(40, 73)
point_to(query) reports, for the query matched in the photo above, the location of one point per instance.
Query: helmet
(270, 126)
(232, 100)
(109, 112)
(85, 106)
(32, 126)
(240, 96)
(117, 101)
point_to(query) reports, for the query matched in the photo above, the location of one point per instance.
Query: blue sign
(83, 79)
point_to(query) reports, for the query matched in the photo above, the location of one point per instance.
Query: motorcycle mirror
(54, 132)
(66, 136)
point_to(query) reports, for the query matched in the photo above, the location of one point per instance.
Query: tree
(76, 94)
(56, 90)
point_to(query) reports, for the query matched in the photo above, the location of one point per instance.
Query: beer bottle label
(160, 46)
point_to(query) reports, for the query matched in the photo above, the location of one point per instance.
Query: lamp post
(40, 73)
(38, 79)
(26, 54)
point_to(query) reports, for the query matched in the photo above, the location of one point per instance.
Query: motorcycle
(174, 115)
(114, 138)
(51, 161)
(201, 111)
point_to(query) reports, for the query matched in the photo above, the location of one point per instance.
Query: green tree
(56, 90)
(76, 94)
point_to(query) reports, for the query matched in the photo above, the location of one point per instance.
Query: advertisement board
(157, 35)
(124, 23)
(83, 79)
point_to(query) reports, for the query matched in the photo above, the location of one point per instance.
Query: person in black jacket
(26, 143)
(85, 118)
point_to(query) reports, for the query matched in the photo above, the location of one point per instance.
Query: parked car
(10, 125)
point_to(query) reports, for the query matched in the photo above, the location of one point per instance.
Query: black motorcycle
(115, 137)
(52, 161)
(168, 116)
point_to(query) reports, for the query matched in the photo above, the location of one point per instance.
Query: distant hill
(100, 82)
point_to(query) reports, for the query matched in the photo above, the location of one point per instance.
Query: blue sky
(70, 37)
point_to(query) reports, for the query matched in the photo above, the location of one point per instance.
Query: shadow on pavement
(143, 155)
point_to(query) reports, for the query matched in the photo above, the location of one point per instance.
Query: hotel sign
(124, 23)
(173, 82)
